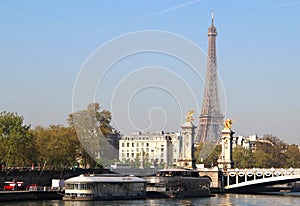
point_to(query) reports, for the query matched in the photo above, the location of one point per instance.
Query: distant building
(251, 142)
(154, 148)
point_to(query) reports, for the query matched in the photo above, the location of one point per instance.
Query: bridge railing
(236, 176)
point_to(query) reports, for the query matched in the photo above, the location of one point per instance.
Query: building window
(127, 144)
(137, 149)
(123, 144)
(147, 144)
(174, 160)
(127, 154)
(162, 149)
(162, 155)
(132, 144)
(137, 144)
(132, 154)
(161, 160)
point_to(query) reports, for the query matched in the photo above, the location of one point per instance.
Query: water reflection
(220, 199)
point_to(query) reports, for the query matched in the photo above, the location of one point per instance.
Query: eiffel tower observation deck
(211, 117)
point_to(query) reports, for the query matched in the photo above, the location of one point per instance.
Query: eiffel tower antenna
(211, 117)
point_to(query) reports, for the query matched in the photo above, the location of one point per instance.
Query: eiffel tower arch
(211, 117)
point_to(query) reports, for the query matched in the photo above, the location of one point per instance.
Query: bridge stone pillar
(186, 158)
(225, 161)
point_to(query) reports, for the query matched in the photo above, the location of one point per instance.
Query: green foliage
(212, 151)
(241, 157)
(292, 156)
(94, 131)
(262, 159)
(16, 143)
(57, 146)
(270, 151)
(91, 118)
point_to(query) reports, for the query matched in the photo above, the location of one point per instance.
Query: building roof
(103, 178)
(175, 170)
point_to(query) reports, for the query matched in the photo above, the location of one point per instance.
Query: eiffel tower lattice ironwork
(211, 117)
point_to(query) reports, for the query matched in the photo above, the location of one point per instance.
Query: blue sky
(45, 43)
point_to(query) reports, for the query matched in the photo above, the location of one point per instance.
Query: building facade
(150, 148)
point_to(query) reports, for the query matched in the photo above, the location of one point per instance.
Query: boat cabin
(177, 172)
(104, 187)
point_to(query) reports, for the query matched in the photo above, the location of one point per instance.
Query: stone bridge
(253, 179)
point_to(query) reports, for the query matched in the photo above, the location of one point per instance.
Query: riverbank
(44, 177)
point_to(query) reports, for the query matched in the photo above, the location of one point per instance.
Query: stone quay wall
(44, 178)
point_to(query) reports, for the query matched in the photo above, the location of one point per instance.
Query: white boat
(178, 182)
(104, 187)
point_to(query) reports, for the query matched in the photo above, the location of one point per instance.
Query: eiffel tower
(211, 118)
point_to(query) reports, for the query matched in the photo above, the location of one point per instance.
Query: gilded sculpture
(189, 116)
(228, 123)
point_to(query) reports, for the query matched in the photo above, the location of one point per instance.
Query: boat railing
(43, 189)
(156, 189)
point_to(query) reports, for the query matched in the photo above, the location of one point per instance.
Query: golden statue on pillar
(228, 123)
(189, 116)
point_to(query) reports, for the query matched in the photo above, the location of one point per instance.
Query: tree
(271, 152)
(93, 128)
(293, 156)
(16, 143)
(212, 157)
(57, 146)
(262, 159)
(241, 157)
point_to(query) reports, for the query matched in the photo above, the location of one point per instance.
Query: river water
(219, 199)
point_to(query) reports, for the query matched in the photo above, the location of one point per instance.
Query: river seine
(219, 199)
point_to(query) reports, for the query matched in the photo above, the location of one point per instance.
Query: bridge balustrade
(238, 176)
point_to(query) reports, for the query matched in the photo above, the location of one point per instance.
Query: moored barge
(178, 182)
(104, 187)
